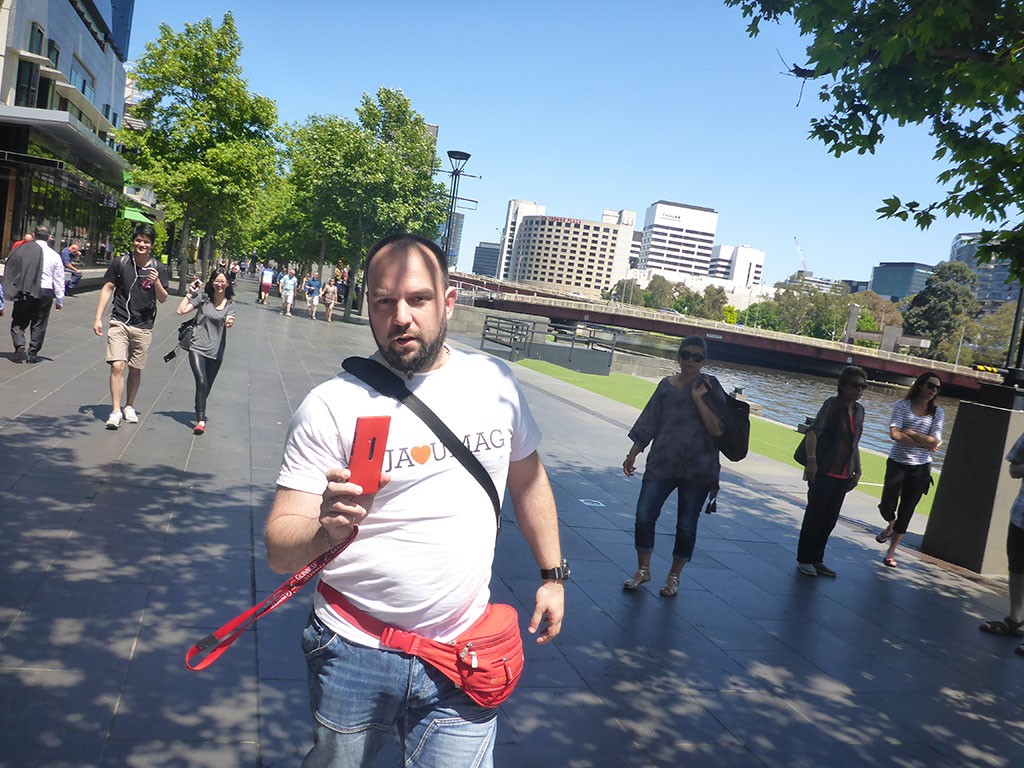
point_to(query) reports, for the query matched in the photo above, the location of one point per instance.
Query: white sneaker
(130, 415)
(115, 420)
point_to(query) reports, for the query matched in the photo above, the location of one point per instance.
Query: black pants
(904, 485)
(204, 369)
(824, 500)
(34, 314)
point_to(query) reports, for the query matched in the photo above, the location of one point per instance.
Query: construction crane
(800, 252)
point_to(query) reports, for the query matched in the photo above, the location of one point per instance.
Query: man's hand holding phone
(350, 490)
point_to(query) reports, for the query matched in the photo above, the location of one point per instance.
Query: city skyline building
(576, 255)
(485, 259)
(517, 209)
(895, 280)
(458, 222)
(62, 93)
(677, 240)
(742, 265)
(995, 284)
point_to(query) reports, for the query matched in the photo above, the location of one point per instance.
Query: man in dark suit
(33, 279)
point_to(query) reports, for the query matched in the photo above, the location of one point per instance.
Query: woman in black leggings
(215, 314)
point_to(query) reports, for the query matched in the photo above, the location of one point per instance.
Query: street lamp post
(458, 160)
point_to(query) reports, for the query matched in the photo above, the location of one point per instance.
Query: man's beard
(423, 358)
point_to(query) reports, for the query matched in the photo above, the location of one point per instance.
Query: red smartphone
(368, 446)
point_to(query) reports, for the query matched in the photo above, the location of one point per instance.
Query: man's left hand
(550, 606)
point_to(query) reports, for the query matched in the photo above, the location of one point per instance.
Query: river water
(790, 397)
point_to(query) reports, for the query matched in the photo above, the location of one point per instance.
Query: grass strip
(767, 438)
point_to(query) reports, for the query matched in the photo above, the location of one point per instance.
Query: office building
(995, 284)
(895, 280)
(458, 222)
(575, 255)
(517, 209)
(677, 240)
(62, 92)
(741, 265)
(485, 259)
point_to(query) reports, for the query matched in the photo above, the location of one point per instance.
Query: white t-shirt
(422, 560)
(903, 417)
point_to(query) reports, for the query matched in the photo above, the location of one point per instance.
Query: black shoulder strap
(387, 383)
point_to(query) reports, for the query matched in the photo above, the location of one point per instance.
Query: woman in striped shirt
(916, 432)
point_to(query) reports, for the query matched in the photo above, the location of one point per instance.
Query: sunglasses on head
(697, 357)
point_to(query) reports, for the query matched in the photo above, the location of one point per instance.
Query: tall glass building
(62, 93)
(995, 285)
(895, 280)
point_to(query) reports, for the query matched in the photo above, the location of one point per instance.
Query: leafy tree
(208, 143)
(660, 293)
(953, 65)
(357, 181)
(944, 309)
(730, 314)
(994, 333)
(627, 292)
(883, 312)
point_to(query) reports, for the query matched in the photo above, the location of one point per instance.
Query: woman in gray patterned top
(916, 432)
(682, 418)
(216, 313)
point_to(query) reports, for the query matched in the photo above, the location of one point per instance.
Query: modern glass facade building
(62, 88)
(485, 259)
(895, 280)
(995, 285)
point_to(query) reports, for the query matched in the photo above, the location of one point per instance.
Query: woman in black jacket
(832, 469)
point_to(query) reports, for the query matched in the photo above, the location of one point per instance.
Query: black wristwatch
(561, 573)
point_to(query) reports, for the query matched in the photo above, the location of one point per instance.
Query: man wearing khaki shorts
(136, 283)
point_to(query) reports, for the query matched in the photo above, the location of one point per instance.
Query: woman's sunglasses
(933, 385)
(697, 357)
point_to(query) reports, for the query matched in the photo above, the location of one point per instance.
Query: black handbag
(185, 331)
(735, 440)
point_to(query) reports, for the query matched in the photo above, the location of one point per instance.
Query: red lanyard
(219, 641)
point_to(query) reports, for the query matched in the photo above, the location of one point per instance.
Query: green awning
(134, 214)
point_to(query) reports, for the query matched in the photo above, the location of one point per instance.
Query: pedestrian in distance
(330, 297)
(216, 311)
(423, 555)
(682, 420)
(34, 280)
(133, 284)
(832, 469)
(27, 237)
(67, 256)
(286, 289)
(916, 431)
(266, 283)
(312, 286)
(1012, 625)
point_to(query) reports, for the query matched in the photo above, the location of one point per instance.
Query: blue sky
(585, 106)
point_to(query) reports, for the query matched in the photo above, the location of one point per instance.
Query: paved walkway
(120, 549)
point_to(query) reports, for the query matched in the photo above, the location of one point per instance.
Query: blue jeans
(653, 494)
(362, 696)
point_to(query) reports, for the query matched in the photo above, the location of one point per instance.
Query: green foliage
(660, 293)
(354, 182)
(627, 292)
(208, 143)
(944, 311)
(955, 66)
(994, 331)
(730, 314)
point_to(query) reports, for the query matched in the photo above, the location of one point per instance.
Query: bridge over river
(732, 343)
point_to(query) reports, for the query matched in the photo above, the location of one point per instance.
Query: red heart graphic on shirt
(421, 453)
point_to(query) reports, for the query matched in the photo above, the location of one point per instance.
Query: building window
(35, 39)
(53, 53)
(82, 80)
(27, 84)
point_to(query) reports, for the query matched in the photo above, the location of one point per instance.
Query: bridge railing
(630, 310)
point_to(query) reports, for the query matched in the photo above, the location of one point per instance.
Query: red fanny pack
(486, 661)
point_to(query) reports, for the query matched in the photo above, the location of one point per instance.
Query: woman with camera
(216, 312)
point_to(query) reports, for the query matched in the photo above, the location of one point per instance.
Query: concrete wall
(971, 511)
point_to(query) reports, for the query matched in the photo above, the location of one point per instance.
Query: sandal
(641, 576)
(889, 562)
(883, 537)
(1006, 627)
(671, 586)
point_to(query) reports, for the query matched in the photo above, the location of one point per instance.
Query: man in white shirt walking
(34, 279)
